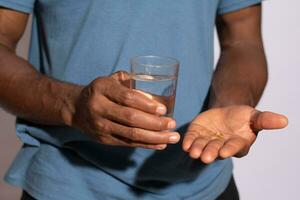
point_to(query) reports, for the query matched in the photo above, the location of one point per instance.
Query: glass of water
(157, 77)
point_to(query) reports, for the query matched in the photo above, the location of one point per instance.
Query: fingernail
(161, 110)
(174, 138)
(172, 125)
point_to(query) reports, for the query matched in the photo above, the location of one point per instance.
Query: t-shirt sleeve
(226, 6)
(18, 5)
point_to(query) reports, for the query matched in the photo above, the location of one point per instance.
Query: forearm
(240, 76)
(28, 94)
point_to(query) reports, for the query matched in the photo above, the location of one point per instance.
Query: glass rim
(175, 62)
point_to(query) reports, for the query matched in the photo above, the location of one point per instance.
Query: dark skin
(124, 117)
(232, 123)
(128, 118)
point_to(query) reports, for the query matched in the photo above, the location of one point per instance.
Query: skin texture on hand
(116, 115)
(228, 131)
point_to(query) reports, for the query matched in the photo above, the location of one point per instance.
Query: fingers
(188, 140)
(197, 147)
(234, 147)
(208, 149)
(110, 140)
(194, 131)
(267, 120)
(114, 114)
(136, 134)
(211, 151)
(136, 118)
(132, 98)
(205, 149)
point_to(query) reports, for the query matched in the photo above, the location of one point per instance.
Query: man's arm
(23, 90)
(105, 109)
(230, 126)
(241, 73)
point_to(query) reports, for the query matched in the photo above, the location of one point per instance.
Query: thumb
(122, 77)
(267, 120)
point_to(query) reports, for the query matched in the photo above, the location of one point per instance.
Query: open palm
(228, 131)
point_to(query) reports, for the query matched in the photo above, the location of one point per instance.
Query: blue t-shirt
(77, 41)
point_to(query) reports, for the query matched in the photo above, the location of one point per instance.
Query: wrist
(235, 97)
(69, 102)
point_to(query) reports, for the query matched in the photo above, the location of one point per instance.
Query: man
(87, 136)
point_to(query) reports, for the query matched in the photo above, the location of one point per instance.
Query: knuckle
(134, 134)
(129, 116)
(128, 97)
(93, 105)
(104, 127)
(162, 124)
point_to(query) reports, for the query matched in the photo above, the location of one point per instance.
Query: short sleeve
(18, 5)
(226, 6)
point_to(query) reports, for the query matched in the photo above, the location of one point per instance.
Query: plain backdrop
(271, 170)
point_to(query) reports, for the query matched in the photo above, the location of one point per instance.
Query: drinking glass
(156, 77)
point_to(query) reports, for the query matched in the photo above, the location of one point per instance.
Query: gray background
(271, 170)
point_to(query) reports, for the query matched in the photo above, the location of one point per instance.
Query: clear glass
(157, 76)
